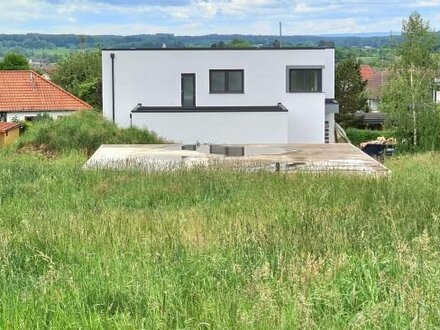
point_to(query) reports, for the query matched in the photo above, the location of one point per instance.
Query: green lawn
(217, 250)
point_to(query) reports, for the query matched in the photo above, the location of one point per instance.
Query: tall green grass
(84, 131)
(215, 250)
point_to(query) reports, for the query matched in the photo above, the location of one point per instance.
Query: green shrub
(84, 131)
(24, 125)
(357, 136)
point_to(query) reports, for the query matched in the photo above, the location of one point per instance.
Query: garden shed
(9, 132)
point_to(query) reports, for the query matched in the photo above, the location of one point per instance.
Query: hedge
(357, 136)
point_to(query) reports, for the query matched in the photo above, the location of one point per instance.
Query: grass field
(217, 250)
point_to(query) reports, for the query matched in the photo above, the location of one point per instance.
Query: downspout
(112, 56)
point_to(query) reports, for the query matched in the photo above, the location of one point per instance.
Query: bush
(84, 131)
(357, 136)
(348, 120)
(428, 129)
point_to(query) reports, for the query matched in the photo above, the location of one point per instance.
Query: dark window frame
(182, 75)
(290, 87)
(226, 91)
(30, 118)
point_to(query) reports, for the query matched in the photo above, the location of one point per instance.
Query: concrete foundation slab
(340, 157)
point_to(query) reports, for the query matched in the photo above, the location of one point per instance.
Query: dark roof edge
(179, 109)
(220, 49)
(46, 110)
(331, 101)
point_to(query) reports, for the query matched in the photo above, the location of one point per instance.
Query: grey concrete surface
(340, 157)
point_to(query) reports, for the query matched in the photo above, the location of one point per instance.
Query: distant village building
(436, 91)
(376, 80)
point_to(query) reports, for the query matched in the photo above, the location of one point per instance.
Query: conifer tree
(349, 91)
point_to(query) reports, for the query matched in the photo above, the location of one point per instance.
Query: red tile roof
(366, 72)
(4, 127)
(25, 90)
(376, 83)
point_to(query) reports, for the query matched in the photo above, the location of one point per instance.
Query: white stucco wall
(21, 115)
(374, 105)
(234, 127)
(306, 117)
(153, 78)
(436, 96)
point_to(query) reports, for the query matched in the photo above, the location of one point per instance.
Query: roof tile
(25, 90)
(4, 127)
(366, 72)
(376, 83)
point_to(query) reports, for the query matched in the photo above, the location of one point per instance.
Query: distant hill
(54, 46)
(362, 35)
(36, 40)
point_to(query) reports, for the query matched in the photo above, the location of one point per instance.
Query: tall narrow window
(188, 90)
(226, 81)
(305, 80)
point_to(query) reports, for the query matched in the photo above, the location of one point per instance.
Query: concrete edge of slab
(285, 158)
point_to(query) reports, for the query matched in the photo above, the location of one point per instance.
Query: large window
(305, 80)
(226, 81)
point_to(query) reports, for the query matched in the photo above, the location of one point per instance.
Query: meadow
(211, 249)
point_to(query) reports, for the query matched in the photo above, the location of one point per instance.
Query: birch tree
(408, 95)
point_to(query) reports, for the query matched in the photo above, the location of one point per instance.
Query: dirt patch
(42, 150)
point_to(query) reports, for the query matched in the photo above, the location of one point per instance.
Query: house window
(305, 80)
(30, 118)
(226, 81)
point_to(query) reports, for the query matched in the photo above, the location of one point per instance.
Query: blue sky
(198, 17)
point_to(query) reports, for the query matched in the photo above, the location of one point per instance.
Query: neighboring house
(372, 120)
(366, 72)
(376, 80)
(217, 95)
(24, 94)
(9, 132)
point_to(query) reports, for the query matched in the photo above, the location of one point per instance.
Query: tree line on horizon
(33, 41)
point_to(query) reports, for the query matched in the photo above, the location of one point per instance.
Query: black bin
(376, 150)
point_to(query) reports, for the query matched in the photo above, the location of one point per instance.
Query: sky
(199, 17)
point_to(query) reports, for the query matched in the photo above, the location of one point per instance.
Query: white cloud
(208, 8)
(425, 3)
(305, 8)
(210, 16)
(21, 10)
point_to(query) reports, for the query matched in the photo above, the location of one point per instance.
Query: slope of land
(212, 249)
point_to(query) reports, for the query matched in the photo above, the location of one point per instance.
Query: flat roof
(219, 49)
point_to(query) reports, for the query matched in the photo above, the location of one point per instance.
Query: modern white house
(215, 95)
